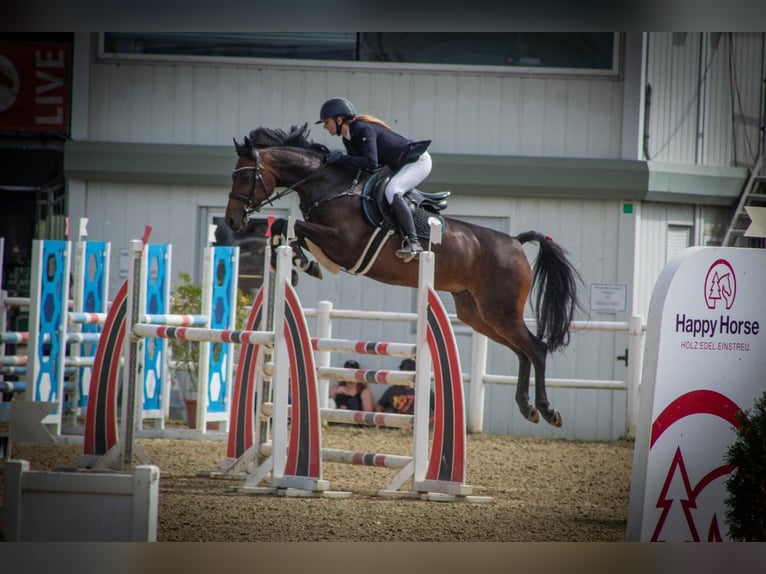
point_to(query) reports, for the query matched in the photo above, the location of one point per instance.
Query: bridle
(248, 200)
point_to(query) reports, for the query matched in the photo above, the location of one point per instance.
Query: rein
(250, 207)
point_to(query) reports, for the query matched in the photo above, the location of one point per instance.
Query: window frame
(369, 66)
(207, 216)
(673, 233)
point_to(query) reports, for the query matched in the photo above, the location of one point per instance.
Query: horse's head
(270, 158)
(250, 185)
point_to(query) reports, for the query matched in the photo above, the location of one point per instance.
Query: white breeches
(409, 176)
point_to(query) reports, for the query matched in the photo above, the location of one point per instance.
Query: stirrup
(411, 250)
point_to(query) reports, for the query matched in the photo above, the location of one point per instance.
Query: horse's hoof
(314, 270)
(555, 419)
(294, 278)
(534, 415)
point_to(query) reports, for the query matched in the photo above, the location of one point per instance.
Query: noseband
(248, 200)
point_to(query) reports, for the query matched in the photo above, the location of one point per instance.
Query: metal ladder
(754, 194)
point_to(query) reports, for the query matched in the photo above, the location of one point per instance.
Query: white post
(476, 389)
(203, 368)
(635, 363)
(324, 331)
(279, 381)
(77, 294)
(132, 388)
(422, 371)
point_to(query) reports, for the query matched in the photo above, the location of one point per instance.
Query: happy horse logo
(720, 284)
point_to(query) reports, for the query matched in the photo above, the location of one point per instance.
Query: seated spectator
(352, 396)
(400, 399)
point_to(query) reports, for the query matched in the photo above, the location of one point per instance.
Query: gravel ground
(542, 490)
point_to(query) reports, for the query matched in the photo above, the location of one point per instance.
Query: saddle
(423, 205)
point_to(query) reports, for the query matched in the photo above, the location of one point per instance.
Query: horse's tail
(555, 280)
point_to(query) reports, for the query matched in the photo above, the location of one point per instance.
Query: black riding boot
(403, 215)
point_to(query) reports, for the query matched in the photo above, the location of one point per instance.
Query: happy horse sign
(705, 362)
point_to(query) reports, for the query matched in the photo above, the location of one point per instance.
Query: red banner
(35, 87)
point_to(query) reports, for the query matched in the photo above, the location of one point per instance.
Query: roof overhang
(463, 174)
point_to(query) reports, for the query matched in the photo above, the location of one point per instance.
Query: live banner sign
(35, 87)
(704, 365)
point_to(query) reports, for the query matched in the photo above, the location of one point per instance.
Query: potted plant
(186, 299)
(746, 486)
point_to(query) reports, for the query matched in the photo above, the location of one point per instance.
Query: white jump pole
(279, 385)
(422, 372)
(132, 392)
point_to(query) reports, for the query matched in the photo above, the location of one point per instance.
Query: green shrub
(186, 299)
(746, 485)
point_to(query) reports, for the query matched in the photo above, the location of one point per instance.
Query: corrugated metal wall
(652, 248)
(701, 86)
(462, 113)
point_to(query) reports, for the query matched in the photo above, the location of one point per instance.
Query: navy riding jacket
(371, 146)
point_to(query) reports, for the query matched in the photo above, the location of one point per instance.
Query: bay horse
(486, 271)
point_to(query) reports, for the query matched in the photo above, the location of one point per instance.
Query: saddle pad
(378, 212)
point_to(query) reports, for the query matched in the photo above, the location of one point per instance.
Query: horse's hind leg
(532, 352)
(539, 354)
(467, 312)
(522, 390)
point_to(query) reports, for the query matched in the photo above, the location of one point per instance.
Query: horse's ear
(249, 146)
(244, 149)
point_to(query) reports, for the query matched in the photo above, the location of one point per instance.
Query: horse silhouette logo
(720, 284)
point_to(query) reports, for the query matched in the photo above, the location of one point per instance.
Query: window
(594, 52)
(252, 246)
(546, 50)
(265, 45)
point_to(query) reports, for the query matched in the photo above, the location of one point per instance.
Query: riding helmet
(336, 107)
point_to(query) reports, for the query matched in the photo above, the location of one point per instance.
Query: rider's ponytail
(371, 119)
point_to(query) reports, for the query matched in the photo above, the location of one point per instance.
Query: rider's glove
(333, 157)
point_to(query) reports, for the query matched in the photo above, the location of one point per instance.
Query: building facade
(623, 160)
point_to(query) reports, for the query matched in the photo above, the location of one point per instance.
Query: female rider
(370, 143)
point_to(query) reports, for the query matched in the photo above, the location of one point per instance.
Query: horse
(486, 271)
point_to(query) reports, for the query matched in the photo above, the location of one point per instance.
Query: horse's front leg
(337, 243)
(299, 256)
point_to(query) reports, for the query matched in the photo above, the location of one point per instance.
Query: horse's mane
(263, 137)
